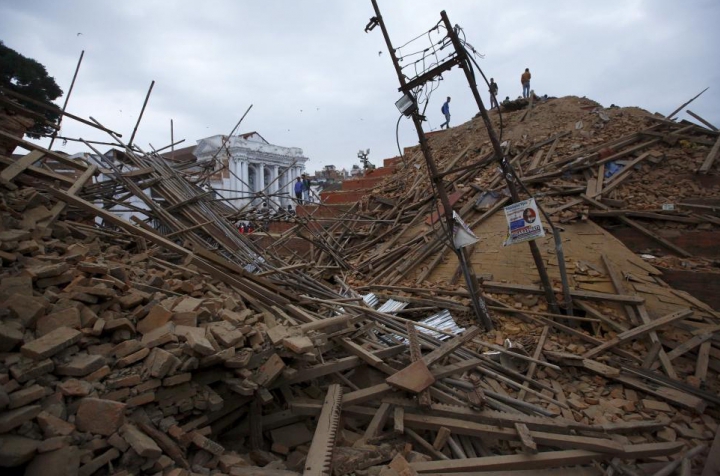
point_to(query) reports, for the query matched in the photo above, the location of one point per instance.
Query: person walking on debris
(306, 188)
(525, 80)
(299, 191)
(446, 112)
(493, 94)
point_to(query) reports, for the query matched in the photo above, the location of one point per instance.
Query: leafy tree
(27, 76)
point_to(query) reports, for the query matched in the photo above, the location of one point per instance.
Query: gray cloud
(316, 79)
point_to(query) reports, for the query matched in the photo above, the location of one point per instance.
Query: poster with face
(523, 222)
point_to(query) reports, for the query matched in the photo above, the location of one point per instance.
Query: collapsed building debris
(176, 345)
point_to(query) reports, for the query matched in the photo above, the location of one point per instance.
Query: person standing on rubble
(493, 93)
(446, 112)
(299, 191)
(525, 80)
(306, 188)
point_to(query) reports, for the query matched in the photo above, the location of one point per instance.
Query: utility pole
(464, 62)
(479, 306)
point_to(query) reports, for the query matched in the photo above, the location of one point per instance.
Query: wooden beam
(12, 171)
(41, 173)
(555, 440)
(507, 288)
(550, 459)
(638, 331)
(536, 355)
(378, 422)
(74, 189)
(34, 147)
(685, 104)
(640, 228)
(448, 347)
(441, 438)
(712, 155)
(703, 121)
(398, 420)
(526, 439)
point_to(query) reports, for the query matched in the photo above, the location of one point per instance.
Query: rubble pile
(178, 346)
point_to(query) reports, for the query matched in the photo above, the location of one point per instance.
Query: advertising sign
(523, 222)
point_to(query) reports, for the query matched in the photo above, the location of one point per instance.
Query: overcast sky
(316, 80)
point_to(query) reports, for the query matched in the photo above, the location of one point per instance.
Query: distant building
(247, 166)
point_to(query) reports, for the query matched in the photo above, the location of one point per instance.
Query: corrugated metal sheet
(371, 300)
(391, 306)
(443, 321)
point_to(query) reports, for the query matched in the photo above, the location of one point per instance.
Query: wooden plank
(378, 422)
(319, 458)
(73, 190)
(441, 438)
(526, 439)
(638, 331)
(710, 159)
(17, 167)
(688, 345)
(577, 471)
(701, 366)
(40, 172)
(398, 420)
(672, 395)
(461, 427)
(424, 397)
(536, 355)
(662, 355)
(639, 228)
(549, 459)
(619, 286)
(621, 176)
(366, 394)
(508, 288)
(328, 368)
(34, 147)
(651, 355)
(425, 445)
(703, 121)
(685, 104)
(451, 345)
(365, 355)
(560, 396)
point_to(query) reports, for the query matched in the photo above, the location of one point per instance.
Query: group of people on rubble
(524, 80)
(263, 217)
(302, 189)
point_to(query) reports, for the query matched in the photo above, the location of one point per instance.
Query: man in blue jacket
(446, 111)
(299, 191)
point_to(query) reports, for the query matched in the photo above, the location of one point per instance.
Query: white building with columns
(250, 169)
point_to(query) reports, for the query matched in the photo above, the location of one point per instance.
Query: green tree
(27, 76)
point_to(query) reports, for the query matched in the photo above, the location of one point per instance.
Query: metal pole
(67, 98)
(142, 111)
(479, 306)
(504, 165)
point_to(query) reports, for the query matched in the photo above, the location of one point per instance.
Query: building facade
(250, 170)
